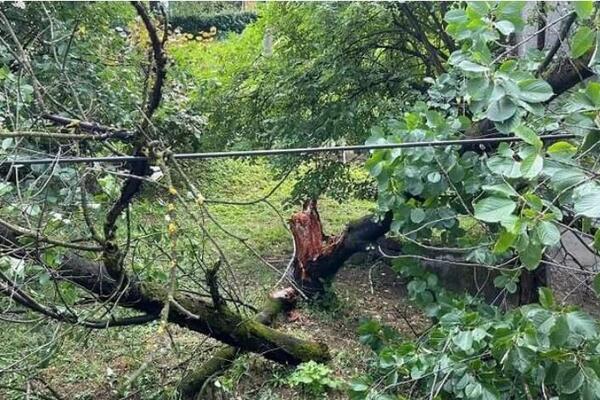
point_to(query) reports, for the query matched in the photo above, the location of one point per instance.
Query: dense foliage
(311, 74)
(477, 351)
(519, 199)
(223, 22)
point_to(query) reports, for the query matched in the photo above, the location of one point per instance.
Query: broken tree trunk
(193, 313)
(193, 384)
(319, 257)
(317, 260)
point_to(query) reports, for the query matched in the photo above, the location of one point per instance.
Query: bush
(314, 378)
(230, 21)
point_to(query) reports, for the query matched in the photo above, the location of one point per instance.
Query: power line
(278, 152)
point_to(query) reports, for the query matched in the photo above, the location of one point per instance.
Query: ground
(84, 364)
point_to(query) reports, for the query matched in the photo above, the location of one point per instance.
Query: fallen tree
(193, 313)
(98, 266)
(190, 311)
(316, 261)
(318, 257)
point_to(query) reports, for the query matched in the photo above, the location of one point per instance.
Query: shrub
(315, 378)
(229, 21)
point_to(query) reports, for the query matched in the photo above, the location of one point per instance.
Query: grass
(97, 364)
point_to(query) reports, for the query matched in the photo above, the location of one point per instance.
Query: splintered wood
(310, 241)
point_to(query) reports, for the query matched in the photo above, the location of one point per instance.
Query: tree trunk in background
(529, 284)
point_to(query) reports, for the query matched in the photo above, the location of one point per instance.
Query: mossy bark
(194, 383)
(222, 324)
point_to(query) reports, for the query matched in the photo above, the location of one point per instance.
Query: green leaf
(505, 240)
(581, 324)
(560, 331)
(591, 140)
(582, 41)
(594, 62)
(592, 91)
(359, 385)
(520, 358)
(531, 256)
(464, 340)
(4, 71)
(504, 166)
(597, 240)
(546, 297)
(502, 189)
(6, 143)
(470, 66)
(548, 233)
(532, 166)
(494, 209)
(529, 136)
(44, 278)
(569, 378)
(562, 149)
(535, 90)
(473, 390)
(505, 27)
(5, 188)
(565, 178)
(456, 16)
(376, 169)
(501, 110)
(480, 7)
(591, 387)
(589, 204)
(417, 215)
(434, 177)
(583, 8)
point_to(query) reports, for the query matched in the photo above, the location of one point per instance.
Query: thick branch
(221, 324)
(132, 186)
(194, 383)
(160, 59)
(91, 127)
(568, 74)
(562, 34)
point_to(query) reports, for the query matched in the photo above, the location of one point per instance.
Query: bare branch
(564, 30)
(40, 237)
(56, 135)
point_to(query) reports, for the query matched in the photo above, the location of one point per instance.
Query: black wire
(277, 152)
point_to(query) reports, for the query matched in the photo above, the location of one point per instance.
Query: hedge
(234, 21)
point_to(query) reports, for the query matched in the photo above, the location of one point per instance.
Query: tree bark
(193, 384)
(197, 314)
(319, 257)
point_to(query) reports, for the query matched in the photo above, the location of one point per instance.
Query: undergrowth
(97, 364)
